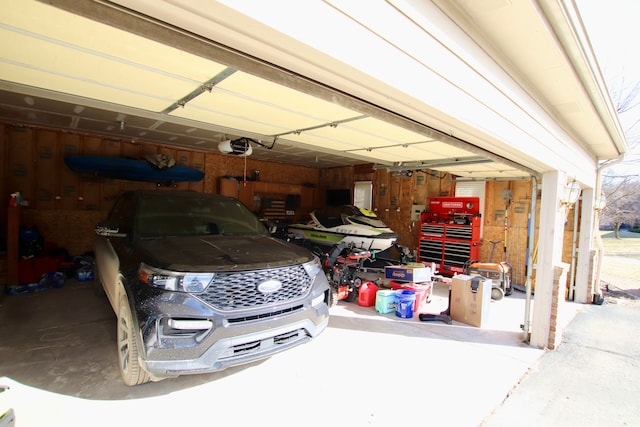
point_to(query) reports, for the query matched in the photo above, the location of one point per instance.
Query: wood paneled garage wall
(66, 205)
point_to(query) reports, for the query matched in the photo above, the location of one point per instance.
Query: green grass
(627, 246)
(621, 256)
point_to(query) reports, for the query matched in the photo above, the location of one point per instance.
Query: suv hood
(220, 253)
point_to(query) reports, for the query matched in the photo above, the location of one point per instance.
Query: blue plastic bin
(404, 303)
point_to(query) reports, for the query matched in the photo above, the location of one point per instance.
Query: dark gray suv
(199, 285)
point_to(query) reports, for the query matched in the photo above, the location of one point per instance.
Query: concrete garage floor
(58, 355)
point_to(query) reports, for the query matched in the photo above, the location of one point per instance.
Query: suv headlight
(313, 268)
(174, 281)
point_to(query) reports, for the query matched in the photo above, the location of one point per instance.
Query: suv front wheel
(130, 369)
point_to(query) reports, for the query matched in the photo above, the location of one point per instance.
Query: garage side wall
(507, 205)
(513, 215)
(394, 194)
(65, 206)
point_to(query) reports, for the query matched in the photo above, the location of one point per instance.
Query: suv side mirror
(109, 229)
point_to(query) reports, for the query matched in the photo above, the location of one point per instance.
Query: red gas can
(367, 294)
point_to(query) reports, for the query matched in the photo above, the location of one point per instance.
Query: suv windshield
(194, 215)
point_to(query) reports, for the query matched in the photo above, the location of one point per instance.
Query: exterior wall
(557, 303)
(549, 255)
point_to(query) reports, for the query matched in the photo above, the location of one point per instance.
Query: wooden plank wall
(394, 194)
(516, 219)
(66, 205)
(516, 216)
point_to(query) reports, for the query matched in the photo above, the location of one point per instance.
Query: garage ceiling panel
(439, 149)
(324, 140)
(97, 78)
(384, 131)
(72, 85)
(262, 91)
(396, 154)
(340, 138)
(247, 102)
(242, 112)
(359, 134)
(104, 63)
(22, 115)
(56, 27)
(230, 115)
(370, 145)
(103, 74)
(410, 153)
(484, 170)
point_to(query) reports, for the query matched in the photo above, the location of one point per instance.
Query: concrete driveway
(592, 379)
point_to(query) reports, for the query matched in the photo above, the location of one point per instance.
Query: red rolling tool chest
(450, 233)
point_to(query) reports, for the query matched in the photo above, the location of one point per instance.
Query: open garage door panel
(147, 81)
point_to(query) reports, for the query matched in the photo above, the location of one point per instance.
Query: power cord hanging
(246, 144)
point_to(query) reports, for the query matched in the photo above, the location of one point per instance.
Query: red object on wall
(450, 233)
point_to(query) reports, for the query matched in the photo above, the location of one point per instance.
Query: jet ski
(357, 227)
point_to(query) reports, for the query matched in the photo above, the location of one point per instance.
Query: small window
(473, 189)
(362, 194)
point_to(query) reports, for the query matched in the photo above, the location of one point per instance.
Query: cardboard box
(408, 273)
(470, 299)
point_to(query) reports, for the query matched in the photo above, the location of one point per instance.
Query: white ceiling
(59, 69)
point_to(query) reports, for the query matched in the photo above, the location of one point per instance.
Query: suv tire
(130, 369)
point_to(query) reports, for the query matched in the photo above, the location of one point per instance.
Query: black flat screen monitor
(338, 197)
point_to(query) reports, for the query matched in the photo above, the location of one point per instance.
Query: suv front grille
(264, 315)
(239, 290)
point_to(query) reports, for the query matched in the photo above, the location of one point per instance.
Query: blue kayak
(132, 169)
